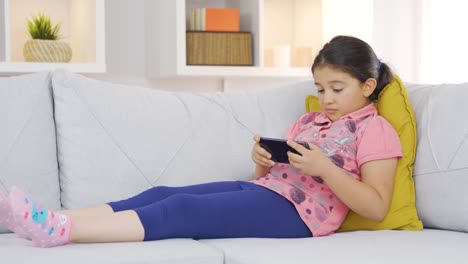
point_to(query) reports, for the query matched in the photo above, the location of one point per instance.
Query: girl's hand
(260, 156)
(313, 162)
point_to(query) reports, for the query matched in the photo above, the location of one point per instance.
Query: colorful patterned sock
(6, 216)
(46, 228)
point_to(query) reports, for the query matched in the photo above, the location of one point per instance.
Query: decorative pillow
(393, 104)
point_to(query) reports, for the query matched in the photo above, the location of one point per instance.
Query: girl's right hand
(260, 156)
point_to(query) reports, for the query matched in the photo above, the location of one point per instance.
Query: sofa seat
(16, 250)
(360, 247)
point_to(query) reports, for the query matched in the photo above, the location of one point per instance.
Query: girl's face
(339, 93)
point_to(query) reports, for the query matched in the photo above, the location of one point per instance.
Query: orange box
(221, 19)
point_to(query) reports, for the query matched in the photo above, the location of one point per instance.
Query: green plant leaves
(40, 27)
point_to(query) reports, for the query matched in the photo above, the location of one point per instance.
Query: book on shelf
(214, 19)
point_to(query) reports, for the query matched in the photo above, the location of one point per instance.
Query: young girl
(350, 165)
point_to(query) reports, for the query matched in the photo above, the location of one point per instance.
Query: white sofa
(70, 141)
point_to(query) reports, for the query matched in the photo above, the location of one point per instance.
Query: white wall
(125, 38)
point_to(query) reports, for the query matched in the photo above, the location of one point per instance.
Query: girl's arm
(370, 198)
(261, 171)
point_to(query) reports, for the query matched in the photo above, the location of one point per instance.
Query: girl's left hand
(313, 162)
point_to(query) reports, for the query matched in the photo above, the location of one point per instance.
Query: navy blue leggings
(215, 210)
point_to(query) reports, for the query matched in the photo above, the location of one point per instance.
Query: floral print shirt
(349, 142)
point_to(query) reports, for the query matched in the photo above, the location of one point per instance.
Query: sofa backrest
(28, 155)
(441, 165)
(115, 141)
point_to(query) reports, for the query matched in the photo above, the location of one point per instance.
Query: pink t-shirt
(349, 142)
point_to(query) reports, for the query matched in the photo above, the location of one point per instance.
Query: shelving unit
(82, 27)
(303, 26)
(167, 22)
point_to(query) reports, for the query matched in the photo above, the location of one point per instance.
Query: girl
(350, 165)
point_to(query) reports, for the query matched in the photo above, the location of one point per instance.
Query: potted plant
(45, 45)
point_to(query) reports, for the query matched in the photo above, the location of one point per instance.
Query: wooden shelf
(25, 67)
(242, 71)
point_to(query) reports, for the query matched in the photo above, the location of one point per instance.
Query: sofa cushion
(441, 166)
(28, 155)
(115, 140)
(393, 104)
(16, 250)
(359, 247)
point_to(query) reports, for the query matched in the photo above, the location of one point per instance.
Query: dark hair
(356, 58)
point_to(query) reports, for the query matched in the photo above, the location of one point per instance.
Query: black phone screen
(278, 148)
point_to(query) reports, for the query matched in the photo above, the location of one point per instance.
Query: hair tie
(379, 64)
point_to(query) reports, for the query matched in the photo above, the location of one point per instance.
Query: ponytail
(385, 77)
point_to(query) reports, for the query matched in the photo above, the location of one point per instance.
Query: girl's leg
(124, 226)
(159, 193)
(48, 228)
(98, 210)
(246, 213)
(150, 196)
(97, 224)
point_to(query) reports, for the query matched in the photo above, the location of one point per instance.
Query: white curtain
(425, 41)
(444, 41)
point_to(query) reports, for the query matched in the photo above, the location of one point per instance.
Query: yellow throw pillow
(393, 104)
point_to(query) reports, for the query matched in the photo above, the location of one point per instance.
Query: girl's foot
(46, 228)
(6, 217)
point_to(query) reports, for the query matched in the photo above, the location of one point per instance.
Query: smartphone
(278, 148)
